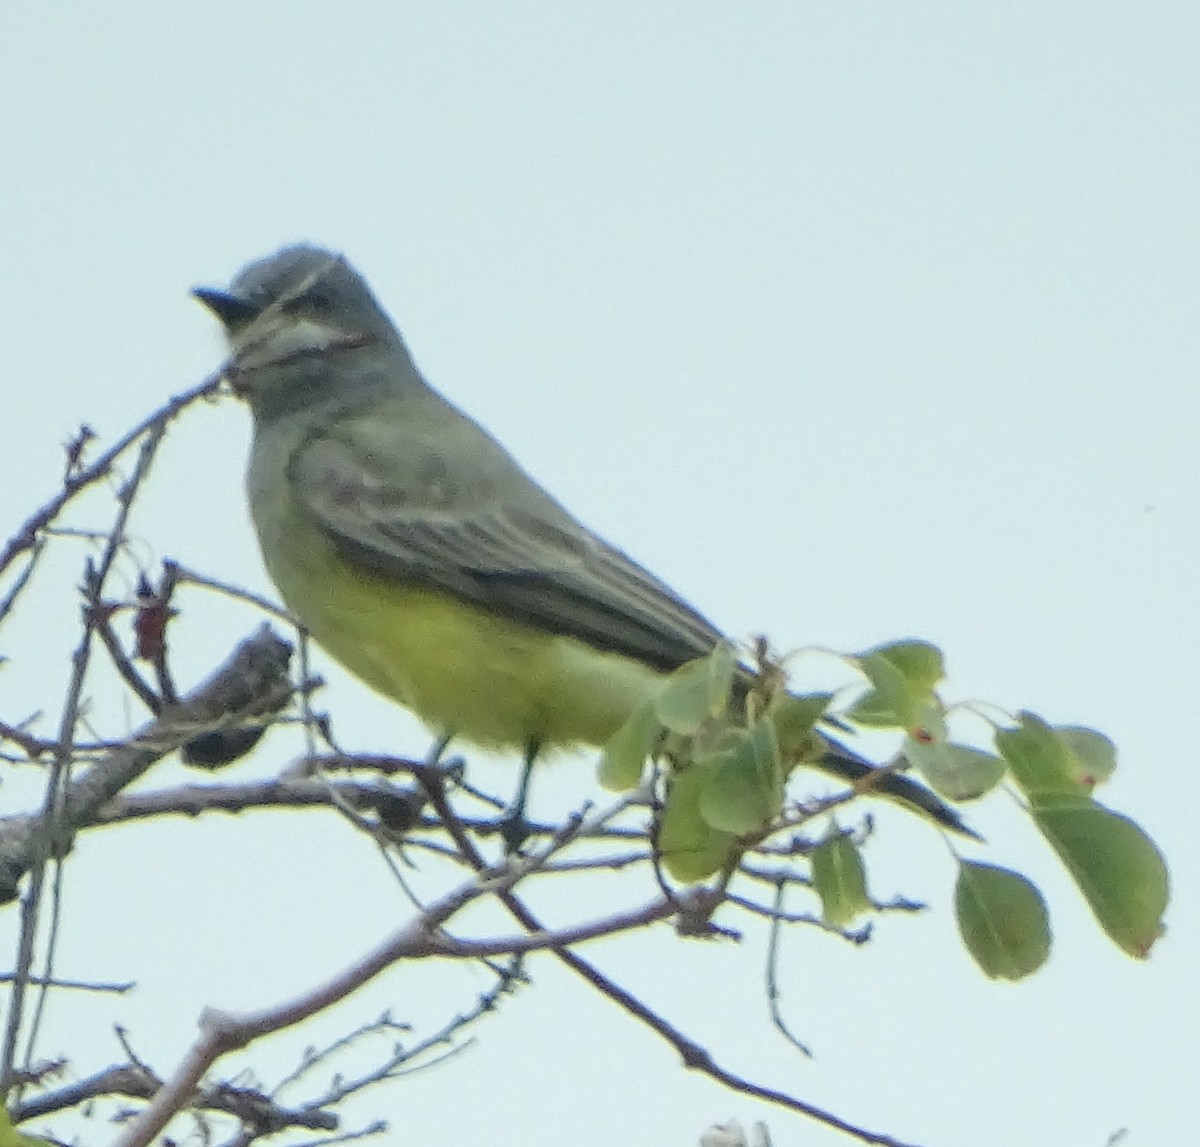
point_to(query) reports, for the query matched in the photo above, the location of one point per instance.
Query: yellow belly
(463, 671)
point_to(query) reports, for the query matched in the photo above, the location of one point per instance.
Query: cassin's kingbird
(420, 554)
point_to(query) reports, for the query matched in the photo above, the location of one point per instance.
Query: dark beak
(233, 312)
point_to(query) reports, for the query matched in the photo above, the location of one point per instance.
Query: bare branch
(221, 1033)
(252, 684)
(135, 1081)
(694, 1056)
(75, 985)
(185, 576)
(79, 479)
(404, 1060)
(397, 808)
(44, 839)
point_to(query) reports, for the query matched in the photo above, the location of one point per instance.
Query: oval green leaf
(1002, 919)
(743, 787)
(919, 662)
(956, 772)
(892, 701)
(691, 849)
(1095, 756)
(1041, 759)
(624, 758)
(697, 691)
(840, 879)
(794, 716)
(1117, 867)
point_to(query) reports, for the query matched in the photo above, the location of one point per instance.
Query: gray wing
(461, 517)
(482, 530)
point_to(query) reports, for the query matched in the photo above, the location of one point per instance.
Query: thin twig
(27, 534)
(22, 579)
(694, 1056)
(118, 988)
(49, 825)
(125, 668)
(404, 1061)
(186, 576)
(252, 683)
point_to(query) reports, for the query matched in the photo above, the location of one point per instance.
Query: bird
(422, 556)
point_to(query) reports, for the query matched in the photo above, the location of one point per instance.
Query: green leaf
(697, 691)
(743, 786)
(956, 772)
(1041, 759)
(840, 879)
(624, 757)
(1095, 756)
(1002, 920)
(919, 663)
(691, 849)
(903, 675)
(892, 701)
(794, 717)
(930, 725)
(1117, 867)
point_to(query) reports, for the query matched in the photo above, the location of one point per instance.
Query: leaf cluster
(727, 740)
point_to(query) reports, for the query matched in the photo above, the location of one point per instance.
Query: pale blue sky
(851, 321)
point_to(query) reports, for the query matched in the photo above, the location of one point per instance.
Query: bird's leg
(514, 828)
(451, 768)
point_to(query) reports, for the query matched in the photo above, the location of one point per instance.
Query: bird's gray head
(299, 324)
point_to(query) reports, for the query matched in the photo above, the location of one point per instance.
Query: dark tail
(845, 763)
